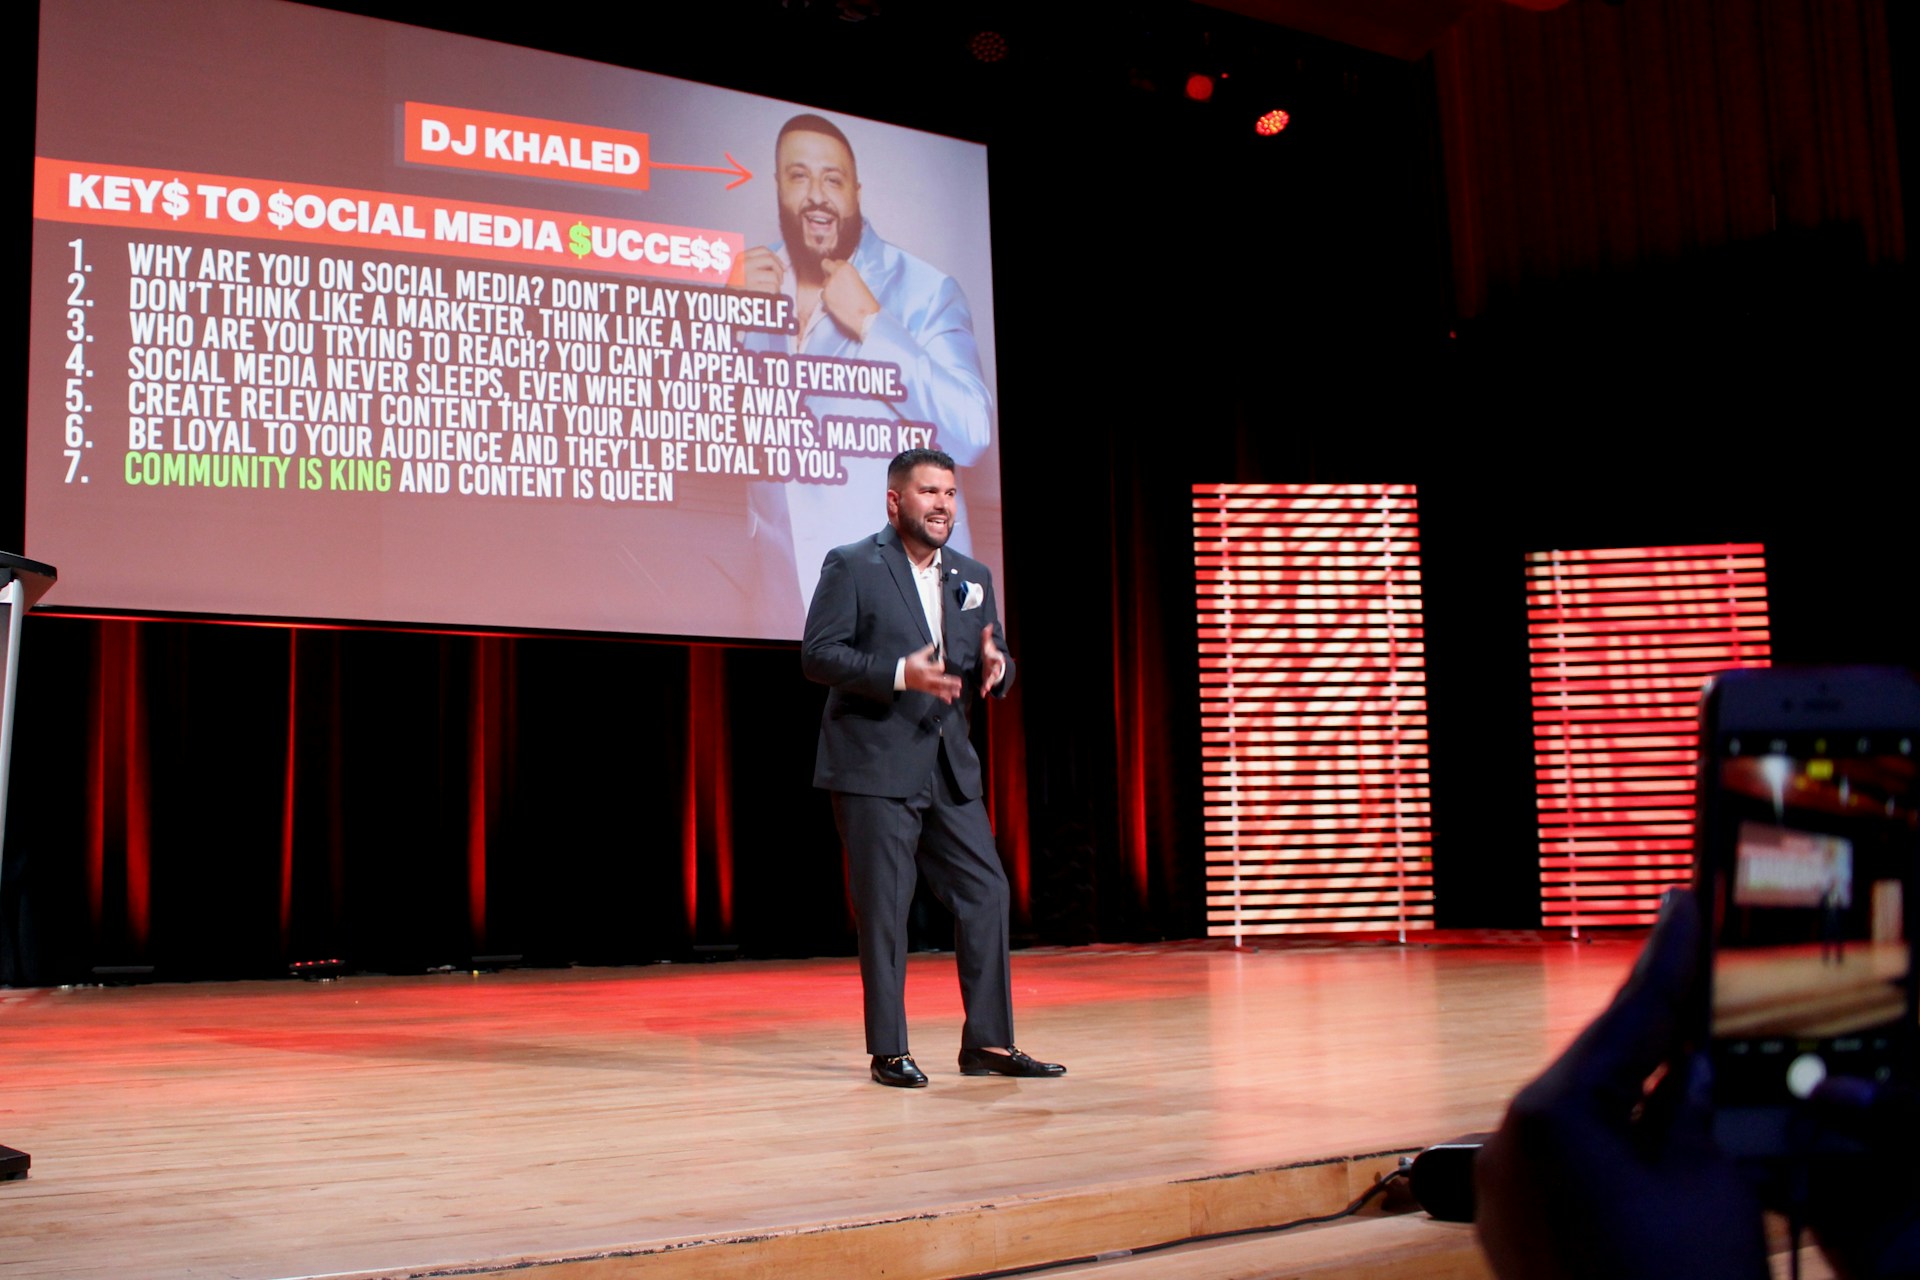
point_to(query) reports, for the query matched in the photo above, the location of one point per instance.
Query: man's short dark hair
(807, 122)
(902, 467)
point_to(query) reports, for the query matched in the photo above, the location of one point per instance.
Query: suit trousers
(890, 843)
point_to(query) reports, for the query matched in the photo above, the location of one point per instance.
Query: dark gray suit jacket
(865, 617)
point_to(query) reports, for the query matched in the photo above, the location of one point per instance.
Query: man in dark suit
(903, 632)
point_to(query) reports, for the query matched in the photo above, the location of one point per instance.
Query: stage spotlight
(1199, 87)
(988, 46)
(1271, 123)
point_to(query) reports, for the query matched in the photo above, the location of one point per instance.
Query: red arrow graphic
(731, 166)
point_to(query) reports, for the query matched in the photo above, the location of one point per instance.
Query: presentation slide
(336, 319)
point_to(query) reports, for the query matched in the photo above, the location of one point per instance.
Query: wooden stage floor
(717, 1120)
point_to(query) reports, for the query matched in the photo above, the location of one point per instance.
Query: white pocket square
(974, 598)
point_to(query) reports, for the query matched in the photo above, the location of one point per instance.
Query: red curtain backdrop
(119, 819)
(707, 814)
(1007, 798)
(1147, 813)
(492, 737)
(236, 798)
(1598, 137)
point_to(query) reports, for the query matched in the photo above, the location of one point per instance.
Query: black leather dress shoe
(899, 1072)
(979, 1062)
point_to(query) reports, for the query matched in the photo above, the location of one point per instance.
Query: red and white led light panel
(1622, 640)
(1313, 709)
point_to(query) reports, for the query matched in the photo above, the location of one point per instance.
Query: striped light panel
(1622, 640)
(1313, 709)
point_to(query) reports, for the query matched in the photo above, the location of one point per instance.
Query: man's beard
(935, 538)
(806, 259)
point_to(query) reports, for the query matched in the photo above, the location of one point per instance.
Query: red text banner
(297, 212)
(492, 142)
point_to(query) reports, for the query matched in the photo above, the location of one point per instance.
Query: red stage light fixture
(1199, 87)
(1271, 123)
(988, 46)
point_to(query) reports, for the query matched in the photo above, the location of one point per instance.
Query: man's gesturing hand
(1592, 1178)
(993, 663)
(926, 673)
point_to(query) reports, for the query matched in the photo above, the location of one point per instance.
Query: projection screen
(335, 319)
